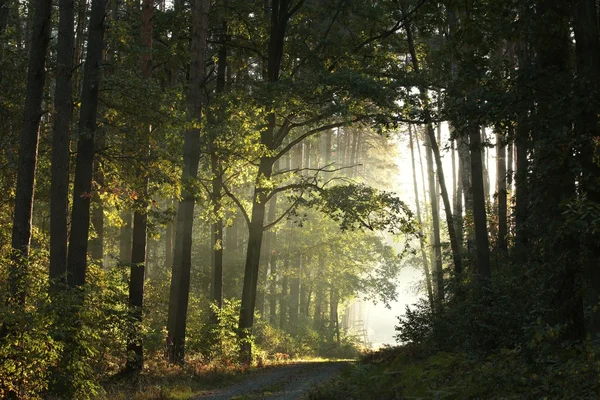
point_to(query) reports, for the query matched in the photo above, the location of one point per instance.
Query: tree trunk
(438, 272)
(588, 71)
(251, 270)
(501, 189)
(420, 221)
(96, 244)
(279, 19)
(217, 187)
(484, 271)
(334, 319)
(125, 237)
(140, 217)
(440, 173)
(59, 185)
(28, 150)
(182, 257)
(294, 299)
(484, 162)
(458, 199)
(169, 239)
(283, 303)
(80, 217)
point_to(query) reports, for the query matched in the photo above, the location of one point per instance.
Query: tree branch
(237, 202)
(285, 213)
(305, 135)
(322, 169)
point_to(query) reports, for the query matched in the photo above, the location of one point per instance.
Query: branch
(304, 136)
(285, 213)
(322, 169)
(302, 185)
(237, 202)
(295, 8)
(397, 26)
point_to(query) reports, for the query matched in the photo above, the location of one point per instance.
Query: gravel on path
(285, 382)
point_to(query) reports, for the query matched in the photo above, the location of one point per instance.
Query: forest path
(284, 382)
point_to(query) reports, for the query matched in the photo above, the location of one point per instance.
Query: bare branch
(285, 213)
(397, 26)
(322, 169)
(305, 135)
(300, 185)
(295, 8)
(237, 202)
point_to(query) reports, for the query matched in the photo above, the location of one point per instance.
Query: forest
(195, 189)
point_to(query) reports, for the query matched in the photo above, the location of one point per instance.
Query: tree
(420, 221)
(28, 148)
(501, 189)
(82, 185)
(63, 103)
(180, 280)
(140, 217)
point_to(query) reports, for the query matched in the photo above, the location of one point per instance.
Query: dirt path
(286, 382)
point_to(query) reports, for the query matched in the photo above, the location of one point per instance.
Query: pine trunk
(82, 186)
(501, 190)
(182, 257)
(420, 221)
(59, 186)
(135, 363)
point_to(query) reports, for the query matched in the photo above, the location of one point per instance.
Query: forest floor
(283, 382)
(291, 380)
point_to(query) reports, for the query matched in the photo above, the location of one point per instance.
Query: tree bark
(63, 104)
(458, 198)
(420, 221)
(484, 271)
(82, 193)
(135, 363)
(28, 150)
(125, 237)
(440, 170)
(588, 72)
(217, 188)
(96, 244)
(501, 189)
(182, 258)
(169, 238)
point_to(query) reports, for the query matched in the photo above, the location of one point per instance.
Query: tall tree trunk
(28, 150)
(135, 363)
(588, 72)
(438, 272)
(464, 162)
(283, 296)
(479, 214)
(484, 165)
(555, 180)
(169, 239)
(420, 221)
(217, 187)
(509, 163)
(501, 189)
(279, 19)
(294, 302)
(440, 171)
(59, 185)
(458, 198)
(334, 319)
(82, 186)
(96, 244)
(125, 237)
(182, 258)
